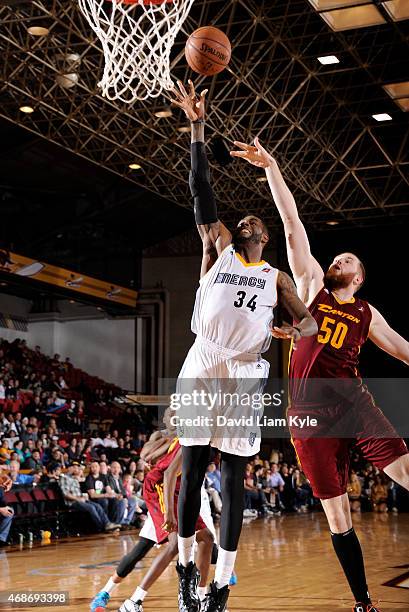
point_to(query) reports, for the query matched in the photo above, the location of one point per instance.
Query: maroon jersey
(334, 352)
(155, 476)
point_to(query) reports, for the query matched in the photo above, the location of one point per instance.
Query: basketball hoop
(137, 37)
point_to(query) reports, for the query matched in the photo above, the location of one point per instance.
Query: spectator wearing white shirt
(109, 442)
(275, 482)
(97, 441)
(61, 383)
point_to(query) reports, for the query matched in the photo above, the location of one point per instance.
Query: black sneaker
(189, 578)
(216, 599)
(360, 607)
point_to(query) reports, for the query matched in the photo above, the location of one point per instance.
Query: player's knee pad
(128, 562)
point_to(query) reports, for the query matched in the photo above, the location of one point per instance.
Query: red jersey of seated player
(325, 383)
(153, 492)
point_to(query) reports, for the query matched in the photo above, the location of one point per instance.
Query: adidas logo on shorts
(252, 439)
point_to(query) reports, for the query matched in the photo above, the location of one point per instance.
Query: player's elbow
(291, 220)
(404, 354)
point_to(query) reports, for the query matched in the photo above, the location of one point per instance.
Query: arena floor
(284, 564)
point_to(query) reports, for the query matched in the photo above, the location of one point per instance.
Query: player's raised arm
(214, 234)
(307, 272)
(382, 334)
(305, 325)
(154, 449)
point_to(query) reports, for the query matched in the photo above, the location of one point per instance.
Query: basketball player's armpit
(199, 181)
(289, 299)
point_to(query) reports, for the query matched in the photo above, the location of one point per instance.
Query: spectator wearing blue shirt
(17, 478)
(6, 514)
(275, 480)
(213, 485)
(214, 477)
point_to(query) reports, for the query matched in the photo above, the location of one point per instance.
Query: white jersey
(234, 303)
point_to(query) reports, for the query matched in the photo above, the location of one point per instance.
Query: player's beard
(240, 240)
(334, 281)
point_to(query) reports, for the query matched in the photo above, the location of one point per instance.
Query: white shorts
(218, 399)
(148, 528)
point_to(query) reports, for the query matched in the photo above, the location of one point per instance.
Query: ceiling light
(66, 81)
(397, 90)
(332, 222)
(262, 179)
(403, 104)
(70, 60)
(38, 31)
(325, 5)
(184, 129)
(328, 59)
(382, 117)
(163, 112)
(27, 109)
(135, 166)
(352, 18)
(397, 9)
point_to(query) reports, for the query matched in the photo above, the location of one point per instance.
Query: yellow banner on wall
(66, 279)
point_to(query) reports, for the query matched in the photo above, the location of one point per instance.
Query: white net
(137, 40)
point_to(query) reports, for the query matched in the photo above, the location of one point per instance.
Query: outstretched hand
(255, 155)
(190, 102)
(286, 332)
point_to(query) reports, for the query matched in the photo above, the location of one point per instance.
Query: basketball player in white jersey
(232, 321)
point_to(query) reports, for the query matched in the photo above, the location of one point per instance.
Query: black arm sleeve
(204, 203)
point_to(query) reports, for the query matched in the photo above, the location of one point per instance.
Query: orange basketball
(208, 51)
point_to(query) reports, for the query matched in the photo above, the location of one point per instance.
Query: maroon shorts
(156, 507)
(325, 458)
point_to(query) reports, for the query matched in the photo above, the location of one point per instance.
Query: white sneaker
(131, 606)
(249, 513)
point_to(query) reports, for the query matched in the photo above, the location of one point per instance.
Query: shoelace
(368, 608)
(185, 584)
(210, 600)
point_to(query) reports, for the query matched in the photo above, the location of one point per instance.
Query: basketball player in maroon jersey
(344, 322)
(160, 491)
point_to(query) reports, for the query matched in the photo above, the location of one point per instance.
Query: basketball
(208, 51)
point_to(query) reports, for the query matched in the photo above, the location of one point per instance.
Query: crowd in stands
(46, 407)
(275, 486)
